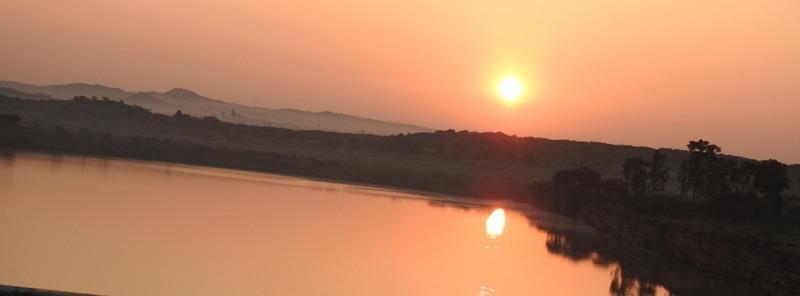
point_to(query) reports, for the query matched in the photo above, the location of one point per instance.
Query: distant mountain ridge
(190, 102)
(11, 92)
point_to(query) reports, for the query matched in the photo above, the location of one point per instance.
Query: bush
(9, 119)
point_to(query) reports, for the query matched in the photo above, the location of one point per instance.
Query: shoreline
(405, 191)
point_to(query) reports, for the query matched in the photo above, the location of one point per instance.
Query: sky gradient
(642, 73)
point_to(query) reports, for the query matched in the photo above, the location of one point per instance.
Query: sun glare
(510, 88)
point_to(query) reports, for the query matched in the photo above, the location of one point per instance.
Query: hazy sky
(649, 73)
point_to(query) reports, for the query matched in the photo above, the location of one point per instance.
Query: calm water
(119, 227)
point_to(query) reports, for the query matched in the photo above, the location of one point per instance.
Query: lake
(121, 227)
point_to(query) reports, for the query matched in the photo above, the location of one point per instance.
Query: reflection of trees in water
(558, 244)
(466, 207)
(626, 286)
(576, 246)
(635, 272)
(575, 250)
(579, 250)
(7, 156)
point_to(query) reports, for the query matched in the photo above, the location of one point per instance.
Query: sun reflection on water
(495, 223)
(485, 291)
(494, 228)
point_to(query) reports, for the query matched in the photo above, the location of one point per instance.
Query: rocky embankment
(768, 262)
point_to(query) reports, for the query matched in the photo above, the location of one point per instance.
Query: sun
(510, 88)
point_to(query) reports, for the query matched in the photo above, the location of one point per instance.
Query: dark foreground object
(19, 291)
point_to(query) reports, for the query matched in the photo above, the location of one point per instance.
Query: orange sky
(628, 72)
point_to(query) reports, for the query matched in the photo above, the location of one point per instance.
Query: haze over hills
(189, 102)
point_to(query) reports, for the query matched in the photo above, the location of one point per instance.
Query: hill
(192, 103)
(10, 92)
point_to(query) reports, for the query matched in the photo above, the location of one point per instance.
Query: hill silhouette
(11, 92)
(147, 99)
(195, 104)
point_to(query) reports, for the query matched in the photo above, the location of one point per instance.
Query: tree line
(728, 188)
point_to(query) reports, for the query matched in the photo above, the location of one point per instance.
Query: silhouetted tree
(742, 177)
(659, 172)
(723, 176)
(697, 172)
(180, 115)
(636, 175)
(770, 178)
(642, 176)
